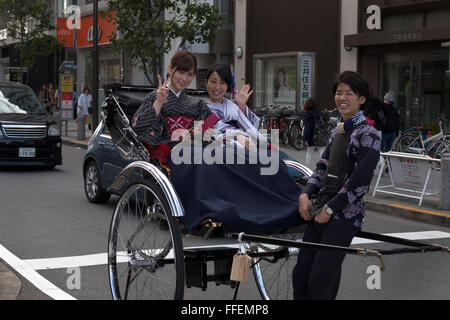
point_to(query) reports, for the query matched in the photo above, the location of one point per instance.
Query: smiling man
(332, 200)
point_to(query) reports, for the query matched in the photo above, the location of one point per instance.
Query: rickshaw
(146, 257)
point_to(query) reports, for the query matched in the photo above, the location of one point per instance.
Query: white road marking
(31, 275)
(102, 258)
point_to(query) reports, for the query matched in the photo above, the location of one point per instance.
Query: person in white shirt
(84, 103)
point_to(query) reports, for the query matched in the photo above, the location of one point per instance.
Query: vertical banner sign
(63, 33)
(66, 97)
(306, 69)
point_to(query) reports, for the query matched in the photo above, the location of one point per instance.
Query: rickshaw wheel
(145, 249)
(273, 272)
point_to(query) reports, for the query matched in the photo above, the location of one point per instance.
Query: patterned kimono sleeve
(146, 124)
(203, 110)
(253, 118)
(365, 148)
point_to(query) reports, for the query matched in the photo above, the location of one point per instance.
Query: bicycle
(295, 132)
(412, 141)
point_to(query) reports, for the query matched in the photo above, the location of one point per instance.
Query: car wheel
(92, 187)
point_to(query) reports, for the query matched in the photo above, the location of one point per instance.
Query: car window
(19, 100)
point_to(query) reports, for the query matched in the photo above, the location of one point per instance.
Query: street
(60, 240)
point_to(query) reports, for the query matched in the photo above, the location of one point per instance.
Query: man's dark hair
(354, 81)
(224, 72)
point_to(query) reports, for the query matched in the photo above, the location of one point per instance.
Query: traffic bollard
(81, 126)
(445, 182)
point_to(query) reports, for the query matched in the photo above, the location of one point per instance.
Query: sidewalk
(69, 134)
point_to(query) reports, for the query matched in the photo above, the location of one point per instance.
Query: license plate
(27, 152)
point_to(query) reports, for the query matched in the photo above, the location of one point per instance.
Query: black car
(28, 135)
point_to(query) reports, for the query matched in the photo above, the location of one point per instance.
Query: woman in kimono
(169, 108)
(233, 114)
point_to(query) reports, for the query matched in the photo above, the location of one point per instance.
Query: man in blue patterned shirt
(332, 200)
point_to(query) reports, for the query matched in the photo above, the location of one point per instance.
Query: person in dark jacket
(313, 152)
(373, 111)
(391, 126)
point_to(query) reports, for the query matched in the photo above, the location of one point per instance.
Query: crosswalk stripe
(102, 258)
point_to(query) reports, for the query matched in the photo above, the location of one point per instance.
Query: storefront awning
(395, 37)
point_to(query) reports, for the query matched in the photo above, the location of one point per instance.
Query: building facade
(402, 45)
(292, 42)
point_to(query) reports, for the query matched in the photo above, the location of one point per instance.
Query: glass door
(421, 87)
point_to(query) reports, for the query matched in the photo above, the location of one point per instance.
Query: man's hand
(323, 216)
(303, 207)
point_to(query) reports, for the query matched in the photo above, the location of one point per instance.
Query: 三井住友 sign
(306, 68)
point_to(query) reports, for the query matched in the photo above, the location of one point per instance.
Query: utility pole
(95, 69)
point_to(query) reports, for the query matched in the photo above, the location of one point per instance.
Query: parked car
(28, 134)
(102, 162)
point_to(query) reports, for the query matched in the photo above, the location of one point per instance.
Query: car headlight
(53, 130)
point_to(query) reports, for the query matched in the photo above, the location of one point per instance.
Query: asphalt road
(44, 215)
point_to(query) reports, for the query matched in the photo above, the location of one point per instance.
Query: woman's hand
(161, 94)
(242, 97)
(303, 207)
(246, 142)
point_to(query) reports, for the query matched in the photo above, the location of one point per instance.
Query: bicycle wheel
(406, 142)
(273, 265)
(145, 250)
(296, 137)
(285, 136)
(273, 273)
(440, 149)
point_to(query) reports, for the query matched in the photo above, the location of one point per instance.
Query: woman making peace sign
(169, 108)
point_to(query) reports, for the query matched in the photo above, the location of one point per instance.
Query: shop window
(403, 22)
(284, 79)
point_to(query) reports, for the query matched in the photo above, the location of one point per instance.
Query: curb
(75, 143)
(435, 217)
(10, 284)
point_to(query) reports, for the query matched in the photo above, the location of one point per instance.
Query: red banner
(66, 96)
(63, 33)
(85, 36)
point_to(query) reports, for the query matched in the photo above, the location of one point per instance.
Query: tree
(146, 35)
(27, 24)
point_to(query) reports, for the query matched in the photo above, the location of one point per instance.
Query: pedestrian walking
(332, 200)
(84, 103)
(43, 94)
(391, 126)
(312, 115)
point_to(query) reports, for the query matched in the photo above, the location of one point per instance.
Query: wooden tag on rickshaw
(241, 267)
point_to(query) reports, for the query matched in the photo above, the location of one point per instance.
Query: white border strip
(31, 275)
(102, 258)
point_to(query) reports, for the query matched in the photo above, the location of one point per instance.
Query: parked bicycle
(294, 134)
(417, 140)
